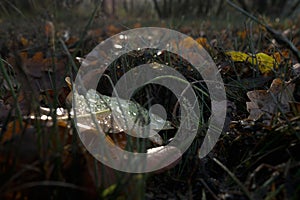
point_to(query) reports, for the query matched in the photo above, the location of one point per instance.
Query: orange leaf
(281, 56)
(203, 42)
(137, 25)
(277, 57)
(242, 34)
(38, 57)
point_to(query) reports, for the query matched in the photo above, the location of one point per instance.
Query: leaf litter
(259, 148)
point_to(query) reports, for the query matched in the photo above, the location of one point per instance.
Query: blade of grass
(14, 94)
(85, 30)
(15, 8)
(238, 182)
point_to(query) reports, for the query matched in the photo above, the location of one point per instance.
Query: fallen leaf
(5, 109)
(265, 63)
(24, 41)
(137, 25)
(112, 30)
(242, 34)
(116, 123)
(188, 43)
(237, 56)
(13, 129)
(270, 101)
(203, 41)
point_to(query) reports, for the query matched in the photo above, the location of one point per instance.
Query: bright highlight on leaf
(265, 62)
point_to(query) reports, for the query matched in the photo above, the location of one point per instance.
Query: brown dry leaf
(5, 108)
(137, 25)
(112, 30)
(94, 33)
(18, 150)
(71, 41)
(270, 101)
(38, 57)
(282, 56)
(120, 139)
(277, 57)
(13, 129)
(186, 29)
(32, 66)
(35, 68)
(24, 56)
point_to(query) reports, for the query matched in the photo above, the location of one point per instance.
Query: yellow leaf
(265, 62)
(237, 56)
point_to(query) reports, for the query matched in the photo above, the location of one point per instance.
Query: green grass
(235, 167)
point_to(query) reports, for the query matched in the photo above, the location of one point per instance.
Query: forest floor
(256, 157)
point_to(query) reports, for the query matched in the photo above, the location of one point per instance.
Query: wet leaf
(127, 115)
